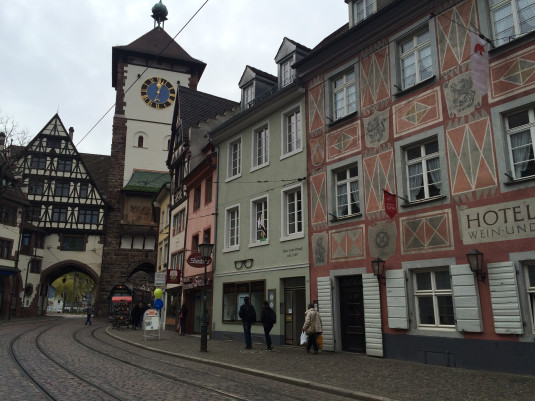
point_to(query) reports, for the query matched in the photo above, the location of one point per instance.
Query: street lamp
(205, 250)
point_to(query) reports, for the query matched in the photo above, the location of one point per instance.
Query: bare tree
(13, 134)
(10, 136)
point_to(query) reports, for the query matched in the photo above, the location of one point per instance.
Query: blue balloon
(158, 304)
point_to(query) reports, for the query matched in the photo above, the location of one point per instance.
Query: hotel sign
(499, 222)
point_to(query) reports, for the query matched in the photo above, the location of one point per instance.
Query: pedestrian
(182, 315)
(312, 327)
(248, 317)
(137, 311)
(268, 318)
(89, 312)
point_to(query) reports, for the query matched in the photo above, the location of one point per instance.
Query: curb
(290, 380)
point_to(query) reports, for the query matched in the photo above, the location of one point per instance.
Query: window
(62, 188)
(423, 171)
(248, 96)
(35, 266)
(234, 159)
(434, 300)
(344, 94)
(233, 295)
(35, 213)
(362, 9)
(5, 248)
(53, 143)
(88, 216)
(38, 162)
(84, 189)
(520, 128)
(511, 18)
(292, 206)
(232, 237)
(140, 141)
(65, 165)
(260, 147)
(72, 243)
(59, 214)
(208, 190)
(39, 240)
(207, 236)
(8, 215)
(25, 244)
(178, 222)
(197, 198)
(162, 220)
(35, 187)
(347, 192)
(259, 220)
(287, 72)
(531, 292)
(195, 243)
(415, 58)
(292, 132)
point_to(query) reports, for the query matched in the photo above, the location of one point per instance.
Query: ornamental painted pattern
(379, 174)
(318, 198)
(427, 232)
(343, 142)
(418, 112)
(374, 78)
(316, 105)
(317, 150)
(347, 244)
(512, 74)
(471, 157)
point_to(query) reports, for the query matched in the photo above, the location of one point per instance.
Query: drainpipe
(17, 257)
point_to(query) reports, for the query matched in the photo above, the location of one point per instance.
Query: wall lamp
(378, 266)
(247, 263)
(475, 261)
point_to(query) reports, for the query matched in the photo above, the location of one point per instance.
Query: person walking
(182, 315)
(312, 327)
(89, 312)
(137, 311)
(248, 316)
(268, 318)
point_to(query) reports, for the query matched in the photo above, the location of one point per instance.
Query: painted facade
(398, 110)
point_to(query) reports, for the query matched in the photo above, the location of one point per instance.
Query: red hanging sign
(390, 204)
(173, 276)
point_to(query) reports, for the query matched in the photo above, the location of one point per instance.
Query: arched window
(140, 141)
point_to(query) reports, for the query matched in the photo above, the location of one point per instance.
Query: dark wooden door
(352, 314)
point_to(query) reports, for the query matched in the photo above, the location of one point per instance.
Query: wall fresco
(471, 155)
(347, 244)
(426, 232)
(453, 35)
(417, 112)
(317, 150)
(461, 96)
(374, 77)
(382, 238)
(343, 142)
(379, 174)
(376, 128)
(513, 74)
(320, 249)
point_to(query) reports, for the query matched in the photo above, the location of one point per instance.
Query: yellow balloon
(158, 293)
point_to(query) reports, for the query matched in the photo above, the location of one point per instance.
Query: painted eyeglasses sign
(196, 260)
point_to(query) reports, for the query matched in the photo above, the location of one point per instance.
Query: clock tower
(146, 75)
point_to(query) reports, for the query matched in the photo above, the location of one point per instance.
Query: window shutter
(466, 299)
(504, 298)
(396, 297)
(372, 315)
(325, 310)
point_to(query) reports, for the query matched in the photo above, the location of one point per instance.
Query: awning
(8, 271)
(121, 299)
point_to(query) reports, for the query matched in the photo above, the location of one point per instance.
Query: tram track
(44, 386)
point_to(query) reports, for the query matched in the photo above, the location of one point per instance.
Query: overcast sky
(56, 54)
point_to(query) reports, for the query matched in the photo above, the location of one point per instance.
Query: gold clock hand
(159, 85)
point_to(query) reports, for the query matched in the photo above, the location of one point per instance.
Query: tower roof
(156, 45)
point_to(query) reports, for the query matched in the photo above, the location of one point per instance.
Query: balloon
(158, 304)
(158, 293)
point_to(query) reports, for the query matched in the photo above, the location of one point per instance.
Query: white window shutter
(372, 315)
(325, 310)
(504, 298)
(466, 299)
(396, 298)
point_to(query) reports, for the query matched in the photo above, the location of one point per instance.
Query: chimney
(71, 132)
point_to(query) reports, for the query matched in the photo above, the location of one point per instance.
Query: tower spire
(159, 13)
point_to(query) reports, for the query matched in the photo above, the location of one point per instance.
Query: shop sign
(159, 279)
(196, 260)
(173, 276)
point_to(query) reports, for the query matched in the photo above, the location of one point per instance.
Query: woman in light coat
(312, 327)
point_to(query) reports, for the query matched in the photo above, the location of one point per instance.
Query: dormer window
(287, 73)
(248, 96)
(362, 9)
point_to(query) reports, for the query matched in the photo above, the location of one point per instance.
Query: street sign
(196, 260)
(159, 279)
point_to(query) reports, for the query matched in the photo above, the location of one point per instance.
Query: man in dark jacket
(248, 317)
(268, 319)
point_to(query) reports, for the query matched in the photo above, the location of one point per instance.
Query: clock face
(158, 93)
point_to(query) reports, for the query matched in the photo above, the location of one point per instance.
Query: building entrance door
(294, 310)
(352, 314)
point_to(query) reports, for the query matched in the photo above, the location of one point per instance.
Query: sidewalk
(348, 374)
